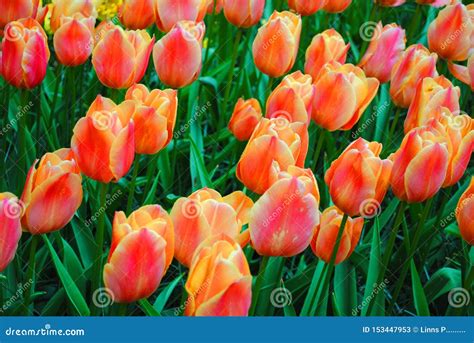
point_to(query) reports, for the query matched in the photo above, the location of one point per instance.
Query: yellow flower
(107, 9)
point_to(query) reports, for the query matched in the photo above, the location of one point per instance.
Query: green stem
(23, 160)
(150, 175)
(258, 284)
(30, 276)
(231, 69)
(131, 192)
(319, 147)
(394, 125)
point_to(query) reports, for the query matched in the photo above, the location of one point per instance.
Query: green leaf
(345, 288)
(148, 308)
(197, 164)
(419, 297)
(441, 282)
(165, 294)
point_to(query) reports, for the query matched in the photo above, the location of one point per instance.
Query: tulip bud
(431, 94)
(245, 118)
(465, 74)
(325, 237)
(19, 9)
(384, 49)
(103, 141)
(69, 8)
(215, 6)
(419, 165)
(243, 13)
(325, 47)
(275, 145)
(305, 7)
(25, 53)
(219, 281)
(358, 179)
(137, 14)
(276, 45)
(342, 93)
(73, 41)
(178, 55)
(450, 34)
(120, 58)
(170, 12)
(283, 220)
(52, 193)
(465, 214)
(390, 3)
(292, 98)
(336, 6)
(154, 117)
(204, 214)
(10, 228)
(415, 63)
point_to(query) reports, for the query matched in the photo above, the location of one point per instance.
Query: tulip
(102, 29)
(103, 142)
(342, 93)
(292, 98)
(243, 13)
(137, 14)
(464, 74)
(450, 34)
(73, 41)
(305, 7)
(10, 228)
(415, 64)
(170, 12)
(204, 214)
(283, 220)
(325, 237)
(52, 193)
(383, 52)
(325, 47)
(431, 94)
(120, 58)
(359, 179)
(178, 55)
(25, 53)
(69, 8)
(433, 3)
(18, 9)
(336, 6)
(275, 145)
(245, 118)
(465, 214)
(390, 3)
(419, 165)
(136, 265)
(276, 45)
(219, 281)
(154, 117)
(215, 6)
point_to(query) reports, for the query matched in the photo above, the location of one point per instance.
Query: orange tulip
(243, 13)
(152, 217)
(215, 6)
(52, 193)
(104, 142)
(358, 179)
(275, 145)
(137, 14)
(386, 46)
(73, 41)
(325, 237)
(102, 29)
(415, 63)
(170, 12)
(336, 6)
(10, 228)
(431, 94)
(451, 34)
(465, 214)
(276, 45)
(204, 214)
(245, 118)
(305, 7)
(154, 117)
(121, 57)
(24, 55)
(283, 220)
(219, 281)
(420, 165)
(292, 98)
(342, 93)
(178, 55)
(433, 3)
(69, 8)
(325, 47)
(18, 9)
(464, 74)
(390, 3)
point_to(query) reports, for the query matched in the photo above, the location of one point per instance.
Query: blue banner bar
(290, 329)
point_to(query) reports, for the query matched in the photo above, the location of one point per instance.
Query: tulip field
(236, 158)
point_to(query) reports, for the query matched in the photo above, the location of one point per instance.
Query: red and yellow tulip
(169, 12)
(137, 14)
(305, 7)
(245, 118)
(465, 214)
(69, 8)
(336, 6)
(10, 227)
(243, 13)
